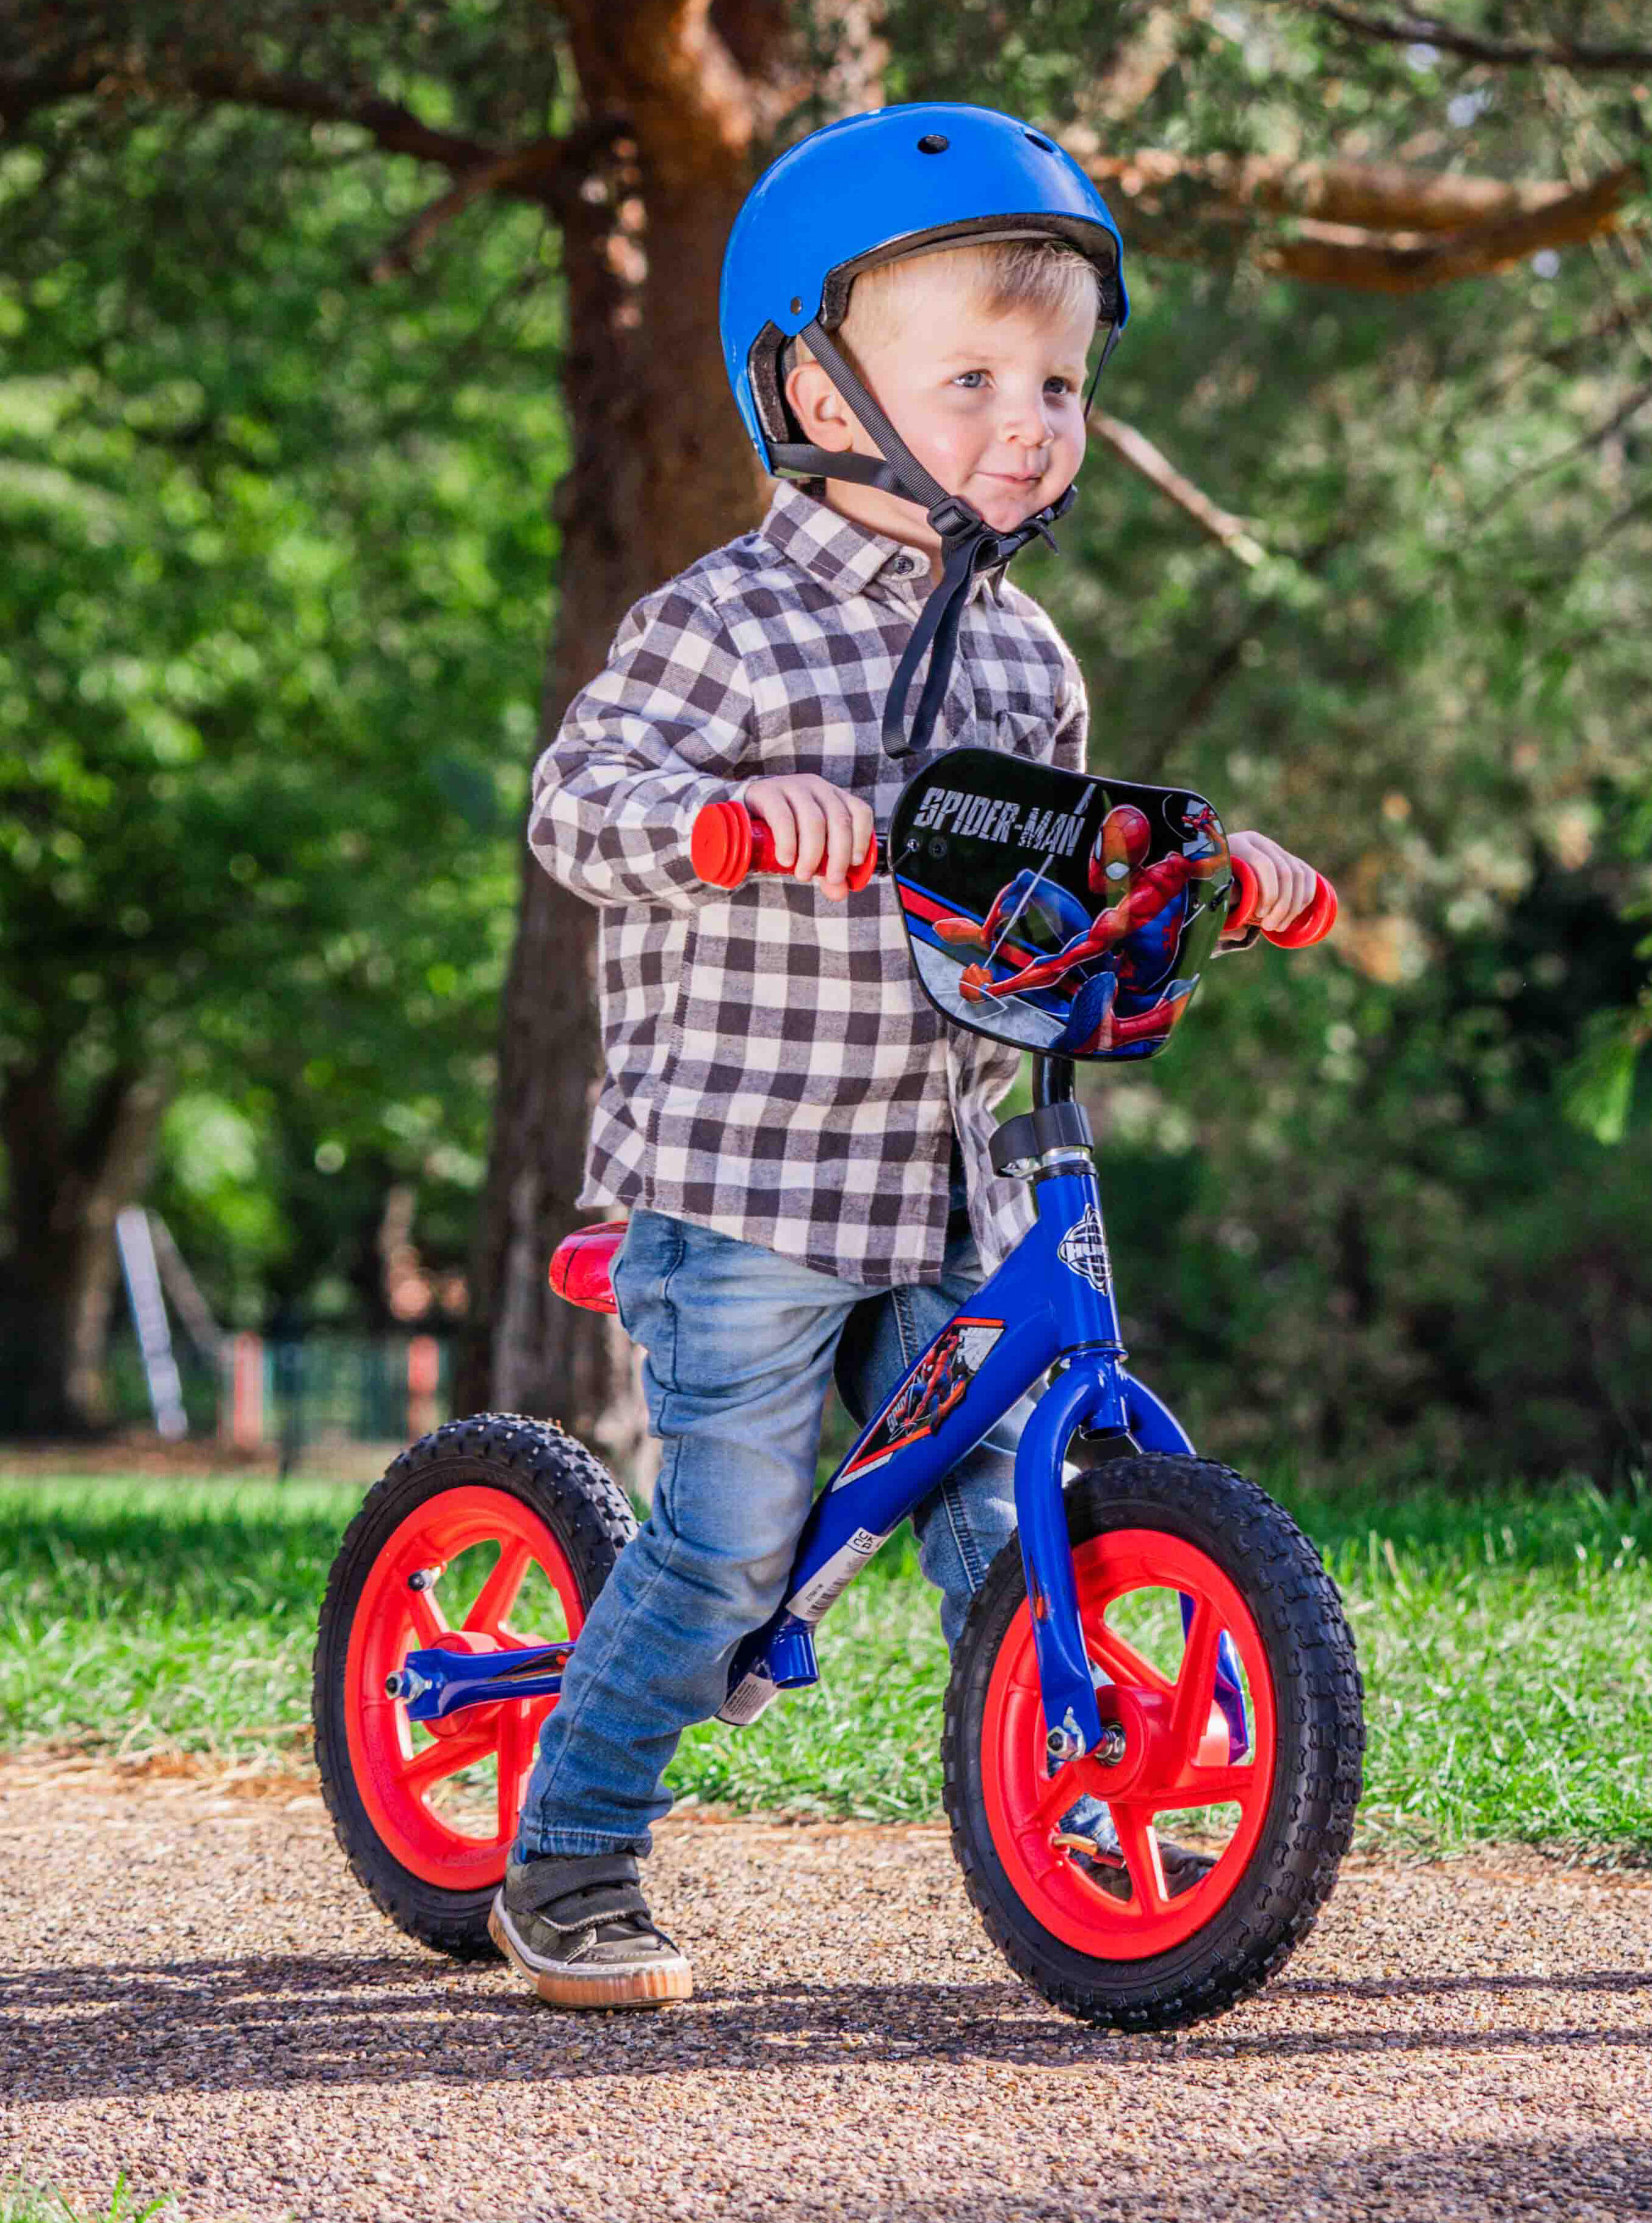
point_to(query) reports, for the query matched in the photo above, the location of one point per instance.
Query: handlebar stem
(1053, 1081)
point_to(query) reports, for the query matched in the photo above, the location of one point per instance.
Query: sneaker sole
(655, 1985)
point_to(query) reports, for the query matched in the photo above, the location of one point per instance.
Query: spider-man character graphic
(1118, 966)
(934, 1390)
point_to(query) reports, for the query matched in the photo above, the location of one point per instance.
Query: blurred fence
(293, 1394)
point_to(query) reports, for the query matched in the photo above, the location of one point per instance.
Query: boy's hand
(1285, 885)
(812, 820)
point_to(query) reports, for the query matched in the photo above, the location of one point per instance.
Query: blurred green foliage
(273, 614)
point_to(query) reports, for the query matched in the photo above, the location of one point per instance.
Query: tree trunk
(661, 473)
(60, 1285)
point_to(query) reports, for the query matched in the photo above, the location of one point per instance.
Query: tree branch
(545, 171)
(1614, 422)
(394, 129)
(1143, 457)
(1373, 227)
(90, 77)
(1368, 262)
(1429, 31)
(541, 172)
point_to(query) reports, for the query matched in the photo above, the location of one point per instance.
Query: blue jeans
(740, 1345)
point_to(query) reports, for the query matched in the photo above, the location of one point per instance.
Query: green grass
(1506, 1644)
(21, 2202)
(140, 1616)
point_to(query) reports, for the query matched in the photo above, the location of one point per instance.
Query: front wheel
(1169, 1875)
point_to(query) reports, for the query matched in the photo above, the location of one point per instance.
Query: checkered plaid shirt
(773, 1070)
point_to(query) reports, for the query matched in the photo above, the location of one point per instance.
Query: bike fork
(1092, 1391)
(1072, 1721)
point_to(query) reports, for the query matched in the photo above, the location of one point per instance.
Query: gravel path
(196, 1992)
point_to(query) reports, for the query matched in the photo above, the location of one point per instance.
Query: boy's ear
(819, 408)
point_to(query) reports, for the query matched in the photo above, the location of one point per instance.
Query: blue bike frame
(1050, 1306)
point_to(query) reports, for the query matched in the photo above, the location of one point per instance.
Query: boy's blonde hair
(1041, 276)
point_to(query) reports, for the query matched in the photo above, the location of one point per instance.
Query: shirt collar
(846, 556)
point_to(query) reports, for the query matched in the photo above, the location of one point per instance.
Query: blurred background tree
(307, 312)
(274, 609)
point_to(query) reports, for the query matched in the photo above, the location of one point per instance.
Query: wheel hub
(1132, 1721)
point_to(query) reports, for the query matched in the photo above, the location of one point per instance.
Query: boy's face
(991, 404)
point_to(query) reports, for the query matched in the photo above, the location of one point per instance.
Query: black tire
(590, 1518)
(1320, 1732)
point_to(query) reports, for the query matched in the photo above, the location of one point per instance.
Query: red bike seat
(581, 1265)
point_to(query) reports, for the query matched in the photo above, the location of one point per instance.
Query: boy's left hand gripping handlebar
(1310, 925)
(727, 844)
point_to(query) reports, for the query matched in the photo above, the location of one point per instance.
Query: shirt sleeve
(1072, 717)
(661, 731)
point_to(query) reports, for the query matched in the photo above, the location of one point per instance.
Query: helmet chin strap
(968, 544)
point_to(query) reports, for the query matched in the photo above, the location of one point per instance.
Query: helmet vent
(1038, 139)
(935, 142)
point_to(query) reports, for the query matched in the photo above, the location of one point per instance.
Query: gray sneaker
(579, 1931)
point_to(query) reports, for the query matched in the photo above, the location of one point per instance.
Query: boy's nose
(1027, 425)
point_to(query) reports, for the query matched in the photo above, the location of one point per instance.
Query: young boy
(799, 1140)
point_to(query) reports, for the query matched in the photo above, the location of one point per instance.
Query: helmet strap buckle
(953, 518)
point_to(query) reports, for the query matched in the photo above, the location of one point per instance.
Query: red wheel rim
(1176, 1753)
(395, 1779)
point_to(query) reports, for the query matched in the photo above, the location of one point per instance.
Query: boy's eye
(971, 380)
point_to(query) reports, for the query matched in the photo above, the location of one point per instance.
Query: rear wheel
(493, 1534)
(1156, 1883)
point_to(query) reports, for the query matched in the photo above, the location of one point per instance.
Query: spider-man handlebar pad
(727, 843)
(1309, 926)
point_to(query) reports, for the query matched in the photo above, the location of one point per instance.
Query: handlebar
(1309, 926)
(727, 844)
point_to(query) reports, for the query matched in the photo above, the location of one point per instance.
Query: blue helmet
(871, 188)
(866, 191)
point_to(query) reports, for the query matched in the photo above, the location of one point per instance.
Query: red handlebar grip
(727, 843)
(720, 847)
(1313, 924)
(1242, 902)
(1309, 926)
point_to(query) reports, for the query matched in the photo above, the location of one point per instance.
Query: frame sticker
(932, 1392)
(1083, 1251)
(828, 1583)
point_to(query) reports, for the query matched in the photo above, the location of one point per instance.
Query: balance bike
(1159, 1644)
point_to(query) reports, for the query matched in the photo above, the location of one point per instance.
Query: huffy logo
(1083, 1251)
